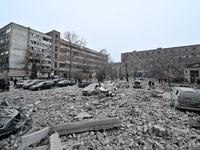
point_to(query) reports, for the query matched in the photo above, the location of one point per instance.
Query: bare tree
(104, 51)
(133, 66)
(85, 61)
(166, 66)
(35, 64)
(73, 47)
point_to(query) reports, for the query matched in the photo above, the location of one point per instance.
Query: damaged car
(95, 88)
(12, 120)
(185, 98)
(91, 89)
(122, 84)
(137, 84)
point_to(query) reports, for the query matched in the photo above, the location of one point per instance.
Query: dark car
(65, 83)
(42, 86)
(35, 82)
(83, 84)
(58, 80)
(22, 82)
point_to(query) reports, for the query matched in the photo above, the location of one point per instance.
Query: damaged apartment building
(21, 46)
(145, 60)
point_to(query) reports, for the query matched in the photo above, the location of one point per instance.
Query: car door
(96, 89)
(175, 94)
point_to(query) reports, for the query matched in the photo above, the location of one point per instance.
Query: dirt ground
(147, 119)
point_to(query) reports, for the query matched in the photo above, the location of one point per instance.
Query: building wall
(183, 55)
(4, 50)
(189, 54)
(40, 49)
(18, 51)
(21, 46)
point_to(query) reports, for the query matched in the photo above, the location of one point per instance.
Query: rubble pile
(147, 121)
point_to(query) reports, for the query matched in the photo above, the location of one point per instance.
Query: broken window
(177, 92)
(7, 38)
(46, 39)
(2, 41)
(35, 35)
(55, 56)
(34, 42)
(5, 59)
(8, 30)
(46, 45)
(55, 64)
(56, 48)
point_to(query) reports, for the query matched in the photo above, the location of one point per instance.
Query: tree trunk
(126, 72)
(70, 70)
(168, 78)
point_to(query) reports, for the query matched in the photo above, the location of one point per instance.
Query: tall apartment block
(20, 46)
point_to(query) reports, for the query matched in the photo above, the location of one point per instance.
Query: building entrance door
(194, 76)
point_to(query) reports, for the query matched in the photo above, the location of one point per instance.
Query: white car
(91, 89)
(95, 88)
(185, 98)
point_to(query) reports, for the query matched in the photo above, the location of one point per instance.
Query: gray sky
(117, 25)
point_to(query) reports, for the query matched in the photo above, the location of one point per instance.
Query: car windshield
(41, 83)
(28, 81)
(63, 81)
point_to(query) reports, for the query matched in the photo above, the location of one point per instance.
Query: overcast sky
(116, 25)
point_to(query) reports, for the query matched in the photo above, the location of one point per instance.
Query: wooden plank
(32, 138)
(87, 125)
(55, 142)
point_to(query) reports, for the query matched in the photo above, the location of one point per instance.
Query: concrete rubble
(147, 121)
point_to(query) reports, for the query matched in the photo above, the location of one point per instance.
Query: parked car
(34, 82)
(43, 85)
(186, 99)
(65, 83)
(91, 89)
(20, 83)
(137, 84)
(83, 84)
(58, 80)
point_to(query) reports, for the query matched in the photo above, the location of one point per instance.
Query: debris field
(63, 119)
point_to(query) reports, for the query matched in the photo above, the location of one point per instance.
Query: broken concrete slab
(55, 142)
(82, 115)
(32, 138)
(87, 125)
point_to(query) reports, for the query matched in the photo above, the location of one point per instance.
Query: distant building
(184, 54)
(20, 46)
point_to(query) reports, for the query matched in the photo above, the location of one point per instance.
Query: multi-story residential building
(21, 47)
(183, 54)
